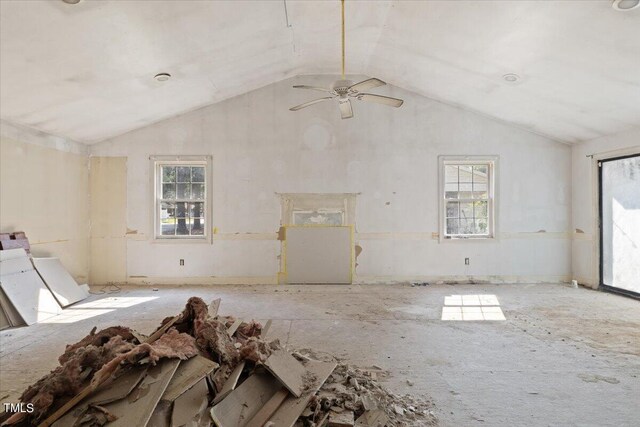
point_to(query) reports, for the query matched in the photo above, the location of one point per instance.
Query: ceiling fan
(343, 90)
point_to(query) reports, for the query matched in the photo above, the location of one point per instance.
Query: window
(467, 194)
(181, 201)
(319, 217)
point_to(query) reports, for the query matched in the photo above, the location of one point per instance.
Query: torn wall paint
(259, 149)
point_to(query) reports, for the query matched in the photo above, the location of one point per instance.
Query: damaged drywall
(259, 151)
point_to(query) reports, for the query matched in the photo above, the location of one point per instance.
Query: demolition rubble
(201, 369)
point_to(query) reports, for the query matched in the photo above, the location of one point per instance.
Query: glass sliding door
(620, 224)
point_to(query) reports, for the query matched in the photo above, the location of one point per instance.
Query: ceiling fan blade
(345, 108)
(367, 84)
(379, 99)
(312, 87)
(306, 104)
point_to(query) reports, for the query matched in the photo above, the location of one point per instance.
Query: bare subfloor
(562, 357)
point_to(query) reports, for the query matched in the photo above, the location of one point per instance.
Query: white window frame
(492, 223)
(156, 178)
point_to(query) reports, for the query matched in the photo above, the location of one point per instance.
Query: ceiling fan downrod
(343, 90)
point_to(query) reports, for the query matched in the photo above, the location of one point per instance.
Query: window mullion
(481, 208)
(175, 171)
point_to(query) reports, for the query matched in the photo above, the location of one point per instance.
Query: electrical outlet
(466, 261)
(181, 262)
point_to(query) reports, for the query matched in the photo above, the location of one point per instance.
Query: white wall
(585, 253)
(44, 191)
(108, 214)
(389, 156)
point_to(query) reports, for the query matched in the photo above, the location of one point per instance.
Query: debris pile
(354, 396)
(32, 289)
(201, 369)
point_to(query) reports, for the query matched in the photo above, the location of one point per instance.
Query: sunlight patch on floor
(91, 309)
(472, 307)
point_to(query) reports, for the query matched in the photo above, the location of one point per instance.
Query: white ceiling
(86, 71)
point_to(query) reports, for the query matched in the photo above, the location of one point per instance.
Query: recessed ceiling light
(625, 5)
(162, 77)
(511, 78)
(72, 1)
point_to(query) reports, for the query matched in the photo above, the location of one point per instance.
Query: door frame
(601, 284)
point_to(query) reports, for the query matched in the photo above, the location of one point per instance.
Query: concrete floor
(563, 357)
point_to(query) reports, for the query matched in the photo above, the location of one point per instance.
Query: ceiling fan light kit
(344, 90)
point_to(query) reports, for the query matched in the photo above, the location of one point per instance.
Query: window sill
(468, 239)
(180, 241)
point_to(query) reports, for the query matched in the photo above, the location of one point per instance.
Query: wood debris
(202, 369)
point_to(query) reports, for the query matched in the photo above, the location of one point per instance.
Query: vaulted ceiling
(85, 71)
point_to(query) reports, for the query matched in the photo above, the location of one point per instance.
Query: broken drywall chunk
(243, 403)
(230, 383)
(118, 389)
(375, 418)
(268, 409)
(190, 405)
(287, 370)
(213, 307)
(137, 408)
(292, 407)
(234, 327)
(368, 402)
(63, 287)
(189, 373)
(341, 419)
(67, 380)
(24, 288)
(12, 315)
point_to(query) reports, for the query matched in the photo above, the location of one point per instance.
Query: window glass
(182, 202)
(467, 196)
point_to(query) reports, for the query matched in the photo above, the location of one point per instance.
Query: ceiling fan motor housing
(341, 87)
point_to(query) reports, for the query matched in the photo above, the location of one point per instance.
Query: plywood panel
(318, 254)
(108, 186)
